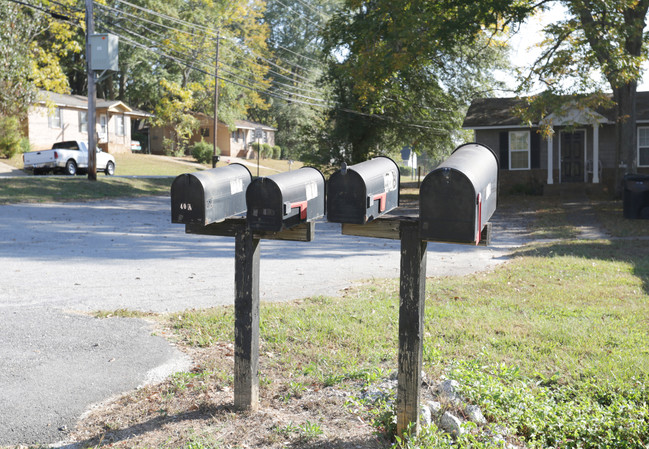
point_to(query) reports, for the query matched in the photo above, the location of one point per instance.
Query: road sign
(259, 133)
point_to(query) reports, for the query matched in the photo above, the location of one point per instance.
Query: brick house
(581, 150)
(231, 143)
(58, 117)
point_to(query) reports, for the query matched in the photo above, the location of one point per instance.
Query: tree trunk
(626, 137)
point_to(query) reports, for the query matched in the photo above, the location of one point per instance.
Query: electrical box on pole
(104, 48)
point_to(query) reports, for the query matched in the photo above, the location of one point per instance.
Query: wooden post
(246, 321)
(412, 293)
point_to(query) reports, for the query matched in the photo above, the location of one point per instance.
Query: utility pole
(215, 156)
(92, 96)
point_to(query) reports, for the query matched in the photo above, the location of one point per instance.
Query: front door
(572, 156)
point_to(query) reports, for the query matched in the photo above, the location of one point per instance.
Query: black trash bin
(636, 196)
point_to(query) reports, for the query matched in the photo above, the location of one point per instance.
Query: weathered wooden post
(412, 297)
(246, 320)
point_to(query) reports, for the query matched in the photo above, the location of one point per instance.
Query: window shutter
(504, 150)
(535, 148)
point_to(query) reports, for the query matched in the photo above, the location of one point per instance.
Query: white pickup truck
(70, 156)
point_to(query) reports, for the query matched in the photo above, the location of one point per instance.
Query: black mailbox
(286, 199)
(362, 192)
(209, 196)
(457, 199)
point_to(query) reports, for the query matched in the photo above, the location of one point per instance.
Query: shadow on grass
(110, 437)
(633, 252)
(212, 413)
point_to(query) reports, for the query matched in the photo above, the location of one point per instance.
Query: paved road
(57, 260)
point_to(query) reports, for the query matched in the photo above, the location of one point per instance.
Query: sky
(522, 45)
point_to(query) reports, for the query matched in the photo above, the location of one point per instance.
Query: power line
(206, 29)
(181, 54)
(317, 25)
(184, 57)
(194, 67)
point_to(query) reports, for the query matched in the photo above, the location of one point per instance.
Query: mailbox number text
(390, 181)
(311, 190)
(185, 206)
(236, 186)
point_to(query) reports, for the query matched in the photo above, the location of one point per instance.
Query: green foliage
(16, 84)
(266, 150)
(295, 37)
(277, 152)
(203, 152)
(56, 189)
(546, 414)
(405, 171)
(409, 88)
(10, 136)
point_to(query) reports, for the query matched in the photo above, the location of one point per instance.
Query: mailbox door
(347, 198)
(448, 206)
(265, 205)
(187, 200)
(209, 196)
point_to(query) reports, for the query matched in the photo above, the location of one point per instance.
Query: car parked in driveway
(70, 157)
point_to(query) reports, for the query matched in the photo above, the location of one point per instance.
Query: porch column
(550, 159)
(596, 153)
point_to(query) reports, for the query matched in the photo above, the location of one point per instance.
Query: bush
(10, 136)
(266, 150)
(203, 152)
(277, 152)
(25, 146)
(405, 171)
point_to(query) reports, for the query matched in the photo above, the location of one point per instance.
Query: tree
(406, 75)
(298, 103)
(598, 36)
(169, 66)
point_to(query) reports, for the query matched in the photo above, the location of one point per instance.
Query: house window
(235, 136)
(205, 132)
(519, 150)
(119, 125)
(643, 147)
(55, 118)
(83, 121)
(103, 124)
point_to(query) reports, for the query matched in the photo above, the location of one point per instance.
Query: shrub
(405, 171)
(266, 150)
(10, 136)
(277, 152)
(203, 152)
(25, 146)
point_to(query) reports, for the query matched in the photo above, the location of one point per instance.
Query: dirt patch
(196, 408)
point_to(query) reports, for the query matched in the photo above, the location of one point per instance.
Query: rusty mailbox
(281, 201)
(457, 199)
(362, 192)
(209, 196)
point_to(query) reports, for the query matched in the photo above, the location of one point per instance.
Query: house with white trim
(231, 143)
(59, 117)
(580, 148)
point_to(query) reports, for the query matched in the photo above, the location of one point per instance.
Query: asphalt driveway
(60, 261)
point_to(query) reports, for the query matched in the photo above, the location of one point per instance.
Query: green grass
(78, 188)
(56, 189)
(560, 330)
(133, 164)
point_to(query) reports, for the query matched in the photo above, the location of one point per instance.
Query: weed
(310, 431)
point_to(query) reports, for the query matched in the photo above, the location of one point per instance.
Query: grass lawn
(78, 188)
(552, 346)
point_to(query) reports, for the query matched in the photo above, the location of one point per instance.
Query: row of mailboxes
(456, 199)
